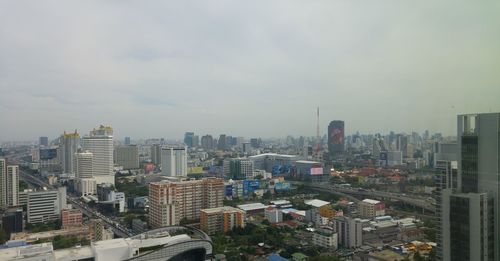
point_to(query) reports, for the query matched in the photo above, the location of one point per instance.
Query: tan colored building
(71, 218)
(171, 201)
(222, 219)
(369, 208)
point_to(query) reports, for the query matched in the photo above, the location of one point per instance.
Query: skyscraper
(100, 144)
(336, 138)
(174, 161)
(9, 184)
(12, 185)
(3, 183)
(127, 141)
(222, 142)
(188, 139)
(127, 156)
(69, 146)
(207, 142)
(43, 141)
(156, 154)
(469, 214)
(85, 181)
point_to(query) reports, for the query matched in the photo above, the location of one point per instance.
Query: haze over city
(246, 68)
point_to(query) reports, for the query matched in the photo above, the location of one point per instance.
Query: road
(118, 229)
(419, 202)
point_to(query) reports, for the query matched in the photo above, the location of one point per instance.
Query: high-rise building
(469, 213)
(238, 168)
(9, 184)
(222, 145)
(170, 202)
(255, 142)
(12, 185)
(127, 156)
(174, 161)
(350, 231)
(127, 141)
(188, 139)
(336, 137)
(45, 205)
(3, 183)
(69, 146)
(43, 141)
(84, 173)
(12, 221)
(207, 142)
(156, 154)
(402, 144)
(221, 219)
(196, 141)
(100, 143)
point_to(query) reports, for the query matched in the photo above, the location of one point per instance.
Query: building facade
(174, 161)
(71, 218)
(100, 144)
(221, 219)
(336, 137)
(45, 205)
(469, 214)
(369, 208)
(127, 156)
(325, 237)
(70, 142)
(172, 201)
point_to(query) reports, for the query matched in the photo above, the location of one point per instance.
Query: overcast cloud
(245, 68)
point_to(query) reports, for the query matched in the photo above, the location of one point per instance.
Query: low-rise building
(222, 219)
(71, 218)
(273, 215)
(45, 205)
(325, 237)
(369, 208)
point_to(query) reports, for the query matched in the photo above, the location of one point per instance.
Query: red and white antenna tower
(317, 150)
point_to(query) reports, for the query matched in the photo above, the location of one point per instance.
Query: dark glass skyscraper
(336, 138)
(470, 213)
(188, 139)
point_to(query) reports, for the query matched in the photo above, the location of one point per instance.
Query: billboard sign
(337, 136)
(282, 186)
(250, 186)
(229, 191)
(284, 169)
(316, 171)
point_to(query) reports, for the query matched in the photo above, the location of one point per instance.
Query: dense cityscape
(394, 196)
(230, 130)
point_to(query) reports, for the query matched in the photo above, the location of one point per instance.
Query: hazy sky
(245, 68)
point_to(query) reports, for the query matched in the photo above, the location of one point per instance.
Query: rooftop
(252, 206)
(316, 203)
(221, 210)
(280, 202)
(371, 201)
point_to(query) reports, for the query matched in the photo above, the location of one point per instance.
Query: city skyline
(174, 67)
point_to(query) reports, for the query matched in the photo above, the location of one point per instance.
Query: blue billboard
(229, 190)
(282, 186)
(284, 169)
(249, 186)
